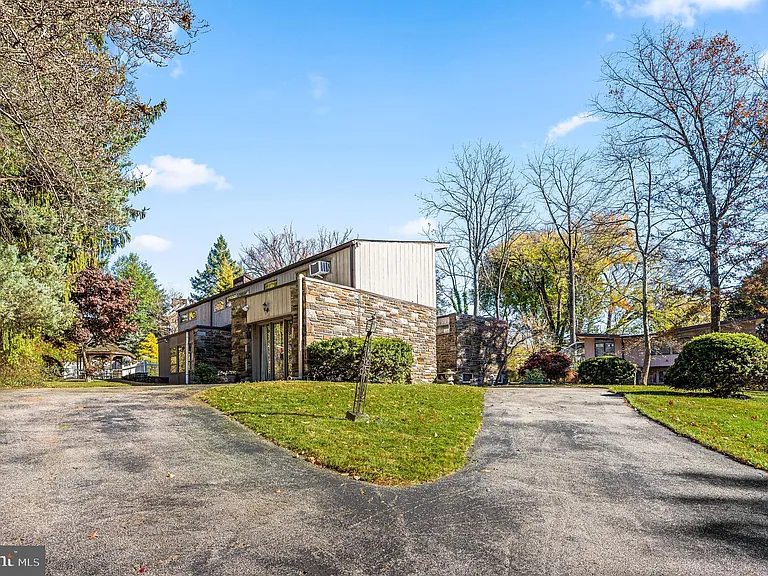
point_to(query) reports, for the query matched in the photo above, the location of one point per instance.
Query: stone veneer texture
(471, 346)
(334, 311)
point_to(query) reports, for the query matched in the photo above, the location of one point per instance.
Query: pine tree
(146, 294)
(219, 273)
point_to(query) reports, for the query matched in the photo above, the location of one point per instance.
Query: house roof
(108, 349)
(308, 260)
(680, 329)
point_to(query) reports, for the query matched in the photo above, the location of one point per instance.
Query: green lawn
(732, 426)
(416, 432)
(72, 384)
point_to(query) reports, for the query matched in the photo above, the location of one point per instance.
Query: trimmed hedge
(554, 365)
(722, 363)
(206, 374)
(607, 370)
(338, 360)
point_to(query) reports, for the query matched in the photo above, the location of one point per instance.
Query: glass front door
(273, 346)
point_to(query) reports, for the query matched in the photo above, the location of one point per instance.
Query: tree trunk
(714, 278)
(86, 372)
(646, 326)
(475, 286)
(571, 296)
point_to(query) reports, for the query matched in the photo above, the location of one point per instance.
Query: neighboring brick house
(471, 350)
(267, 323)
(665, 346)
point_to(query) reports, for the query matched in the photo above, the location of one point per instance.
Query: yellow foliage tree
(147, 349)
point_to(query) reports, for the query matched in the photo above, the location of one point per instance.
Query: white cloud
(683, 11)
(177, 69)
(318, 86)
(415, 228)
(610, 37)
(178, 174)
(149, 243)
(570, 125)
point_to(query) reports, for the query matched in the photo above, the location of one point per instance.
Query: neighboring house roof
(307, 260)
(108, 350)
(680, 329)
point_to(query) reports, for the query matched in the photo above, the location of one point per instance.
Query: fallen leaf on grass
(169, 475)
(93, 535)
(278, 491)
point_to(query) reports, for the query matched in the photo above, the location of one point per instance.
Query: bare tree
(640, 179)
(277, 249)
(451, 271)
(563, 179)
(697, 100)
(476, 199)
(498, 261)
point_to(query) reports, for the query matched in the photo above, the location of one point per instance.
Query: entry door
(273, 350)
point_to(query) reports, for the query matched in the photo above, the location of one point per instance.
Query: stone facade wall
(241, 341)
(334, 311)
(473, 350)
(446, 348)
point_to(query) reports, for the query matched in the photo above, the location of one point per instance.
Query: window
(193, 315)
(182, 360)
(466, 377)
(604, 348)
(219, 305)
(270, 284)
(174, 360)
(185, 316)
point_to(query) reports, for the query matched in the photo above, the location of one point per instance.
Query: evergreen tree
(147, 296)
(219, 273)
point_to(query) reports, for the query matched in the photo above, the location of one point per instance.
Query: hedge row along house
(665, 346)
(260, 329)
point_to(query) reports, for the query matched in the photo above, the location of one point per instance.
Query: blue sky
(333, 113)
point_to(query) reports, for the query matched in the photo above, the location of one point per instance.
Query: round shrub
(534, 376)
(722, 363)
(338, 360)
(606, 371)
(206, 374)
(554, 365)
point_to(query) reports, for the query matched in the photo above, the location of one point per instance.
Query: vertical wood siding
(397, 269)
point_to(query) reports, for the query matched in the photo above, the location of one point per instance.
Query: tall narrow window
(266, 353)
(278, 333)
(174, 360)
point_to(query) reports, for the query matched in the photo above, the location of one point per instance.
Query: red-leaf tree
(103, 307)
(555, 365)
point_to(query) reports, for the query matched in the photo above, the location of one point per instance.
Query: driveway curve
(560, 481)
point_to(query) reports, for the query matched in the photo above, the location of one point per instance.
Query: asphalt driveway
(561, 481)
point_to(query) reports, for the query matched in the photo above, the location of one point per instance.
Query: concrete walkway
(561, 481)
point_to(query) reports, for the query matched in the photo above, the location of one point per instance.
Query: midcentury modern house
(259, 329)
(666, 346)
